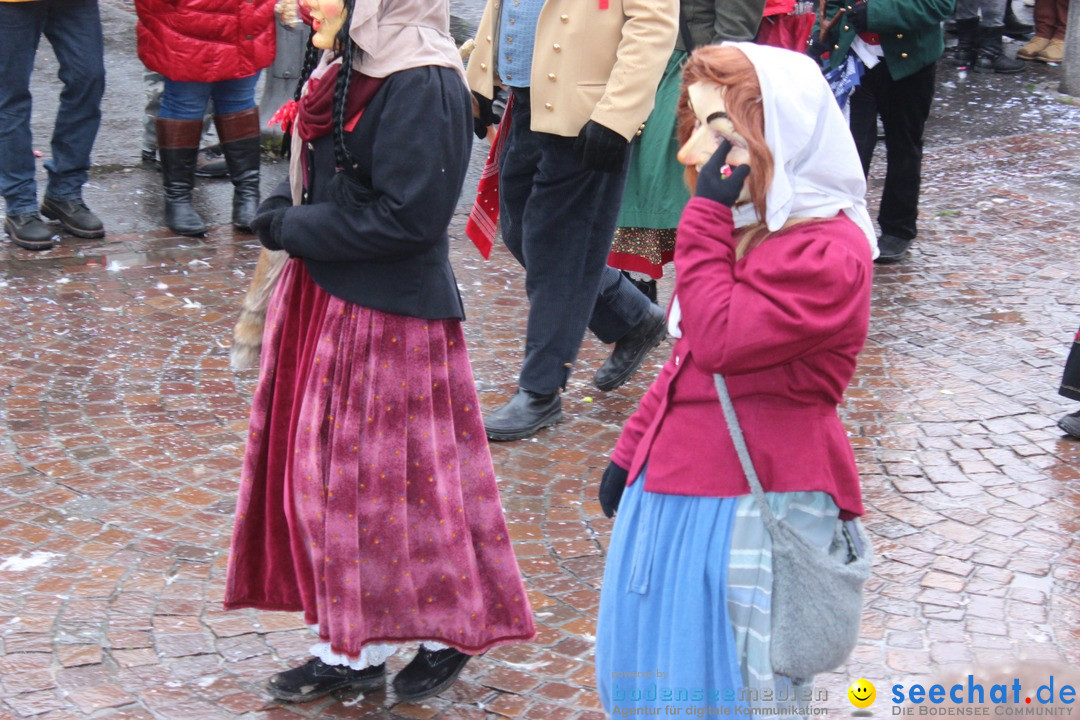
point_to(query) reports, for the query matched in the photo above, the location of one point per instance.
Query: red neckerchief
(484, 216)
(315, 114)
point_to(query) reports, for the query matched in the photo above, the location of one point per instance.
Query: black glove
(273, 202)
(602, 149)
(719, 181)
(486, 116)
(856, 16)
(267, 226)
(817, 47)
(611, 488)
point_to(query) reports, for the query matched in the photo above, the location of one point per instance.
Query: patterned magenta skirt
(368, 499)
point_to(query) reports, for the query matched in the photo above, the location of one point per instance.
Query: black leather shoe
(892, 249)
(1070, 424)
(631, 349)
(315, 678)
(28, 231)
(429, 673)
(526, 413)
(74, 217)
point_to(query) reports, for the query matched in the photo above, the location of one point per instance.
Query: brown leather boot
(239, 133)
(178, 144)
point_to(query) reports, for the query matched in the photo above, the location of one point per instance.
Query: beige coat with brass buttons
(588, 63)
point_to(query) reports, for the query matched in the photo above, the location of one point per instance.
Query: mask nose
(699, 147)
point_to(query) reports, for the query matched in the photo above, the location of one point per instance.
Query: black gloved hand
(601, 148)
(817, 47)
(612, 486)
(274, 202)
(267, 226)
(719, 181)
(856, 16)
(485, 116)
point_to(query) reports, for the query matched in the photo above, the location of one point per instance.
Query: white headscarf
(816, 168)
(395, 35)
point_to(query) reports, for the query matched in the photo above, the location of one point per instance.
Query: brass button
(835, 47)
(846, 28)
(509, 76)
(641, 126)
(488, 38)
(899, 36)
(483, 66)
(557, 47)
(513, 20)
(509, 39)
(565, 18)
(903, 55)
(638, 133)
(551, 76)
(549, 106)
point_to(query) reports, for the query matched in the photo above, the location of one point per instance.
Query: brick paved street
(123, 432)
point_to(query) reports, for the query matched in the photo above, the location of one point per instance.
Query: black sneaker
(892, 249)
(74, 217)
(429, 673)
(315, 678)
(29, 231)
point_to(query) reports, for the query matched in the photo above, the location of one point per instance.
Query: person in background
(980, 25)
(183, 40)
(582, 77)
(655, 192)
(1070, 388)
(1048, 45)
(772, 281)
(899, 42)
(73, 28)
(210, 162)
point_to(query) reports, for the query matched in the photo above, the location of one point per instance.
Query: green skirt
(655, 190)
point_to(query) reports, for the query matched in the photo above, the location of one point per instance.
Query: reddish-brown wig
(732, 70)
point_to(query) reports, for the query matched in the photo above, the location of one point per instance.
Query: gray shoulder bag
(816, 594)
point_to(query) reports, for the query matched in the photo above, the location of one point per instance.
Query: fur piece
(248, 333)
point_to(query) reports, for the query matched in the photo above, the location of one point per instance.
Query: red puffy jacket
(206, 40)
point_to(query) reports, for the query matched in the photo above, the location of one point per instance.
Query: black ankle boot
(241, 144)
(178, 144)
(429, 673)
(315, 678)
(967, 42)
(992, 57)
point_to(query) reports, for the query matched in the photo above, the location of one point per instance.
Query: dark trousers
(73, 28)
(558, 220)
(903, 106)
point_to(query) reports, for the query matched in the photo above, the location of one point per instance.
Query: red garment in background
(187, 41)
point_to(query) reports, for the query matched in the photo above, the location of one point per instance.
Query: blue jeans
(558, 221)
(73, 28)
(187, 100)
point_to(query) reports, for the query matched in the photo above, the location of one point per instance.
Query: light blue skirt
(684, 610)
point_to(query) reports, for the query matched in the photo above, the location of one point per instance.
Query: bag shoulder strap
(742, 451)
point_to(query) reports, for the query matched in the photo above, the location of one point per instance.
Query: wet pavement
(123, 430)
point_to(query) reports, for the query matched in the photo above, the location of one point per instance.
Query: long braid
(311, 59)
(341, 91)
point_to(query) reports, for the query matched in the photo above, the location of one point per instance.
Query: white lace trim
(371, 655)
(375, 654)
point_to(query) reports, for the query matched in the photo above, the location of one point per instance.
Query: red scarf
(316, 113)
(484, 216)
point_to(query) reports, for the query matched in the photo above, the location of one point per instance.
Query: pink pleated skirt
(368, 500)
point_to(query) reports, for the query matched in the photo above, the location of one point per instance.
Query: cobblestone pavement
(123, 431)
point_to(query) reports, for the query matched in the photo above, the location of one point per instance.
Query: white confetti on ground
(17, 563)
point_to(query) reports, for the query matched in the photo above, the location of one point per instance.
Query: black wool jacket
(377, 236)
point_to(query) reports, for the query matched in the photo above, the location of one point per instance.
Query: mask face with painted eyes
(712, 127)
(327, 19)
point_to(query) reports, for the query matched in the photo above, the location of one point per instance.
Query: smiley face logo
(862, 693)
